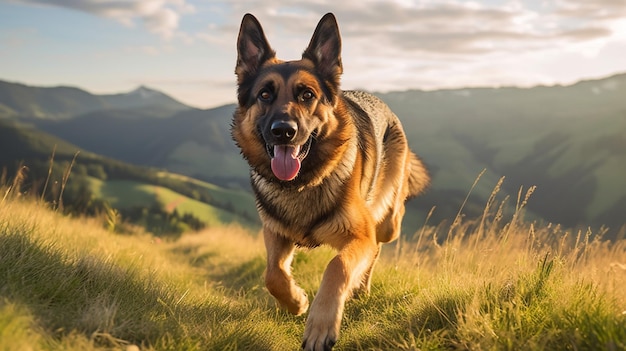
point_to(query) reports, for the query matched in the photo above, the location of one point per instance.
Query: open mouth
(287, 159)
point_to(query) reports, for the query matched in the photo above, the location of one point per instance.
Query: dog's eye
(265, 95)
(306, 95)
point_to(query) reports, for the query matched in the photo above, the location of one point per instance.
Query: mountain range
(58, 103)
(568, 141)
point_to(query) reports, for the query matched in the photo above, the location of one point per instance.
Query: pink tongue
(285, 163)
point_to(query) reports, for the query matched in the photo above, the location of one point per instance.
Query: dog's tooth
(296, 151)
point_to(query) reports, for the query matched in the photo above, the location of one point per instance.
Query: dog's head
(286, 108)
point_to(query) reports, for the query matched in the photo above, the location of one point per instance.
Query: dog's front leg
(278, 279)
(343, 274)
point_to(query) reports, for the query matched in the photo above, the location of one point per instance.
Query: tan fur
(350, 191)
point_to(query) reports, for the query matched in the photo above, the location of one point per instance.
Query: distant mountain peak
(22, 101)
(146, 92)
(146, 97)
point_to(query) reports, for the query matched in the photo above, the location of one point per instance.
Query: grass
(240, 200)
(492, 284)
(123, 194)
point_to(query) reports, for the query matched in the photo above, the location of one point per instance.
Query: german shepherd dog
(328, 167)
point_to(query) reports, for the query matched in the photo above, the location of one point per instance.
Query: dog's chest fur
(300, 213)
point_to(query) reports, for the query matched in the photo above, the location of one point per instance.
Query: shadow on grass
(113, 305)
(247, 276)
(385, 321)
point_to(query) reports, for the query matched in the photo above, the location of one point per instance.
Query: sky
(187, 48)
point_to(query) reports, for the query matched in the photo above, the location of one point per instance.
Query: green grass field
(494, 284)
(241, 200)
(127, 193)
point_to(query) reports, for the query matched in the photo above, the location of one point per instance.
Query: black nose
(284, 131)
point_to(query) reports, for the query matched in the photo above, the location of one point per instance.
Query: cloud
(158, 16)
(446, 28)
(591, 9)
(432, 43)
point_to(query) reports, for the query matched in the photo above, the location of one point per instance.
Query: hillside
(23, 101)
(218, 207)
(69, 284)
(95, 182)
(567, 140)
(193, 142)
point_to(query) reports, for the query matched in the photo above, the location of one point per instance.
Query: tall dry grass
(502, 282)
(498, 282)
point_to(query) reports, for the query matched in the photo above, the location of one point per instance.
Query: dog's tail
(419, 179)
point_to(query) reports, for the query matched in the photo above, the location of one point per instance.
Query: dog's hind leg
(278, 279)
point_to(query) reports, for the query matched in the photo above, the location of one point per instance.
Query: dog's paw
(299, 302)
(327, 345)
(320, 333)
(295, 300)
(289, 296)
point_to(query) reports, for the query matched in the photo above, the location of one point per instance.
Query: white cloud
(430, 44)
(387, 44)
(163, 21)
(434, 27)
(158, 16)
(592, 9)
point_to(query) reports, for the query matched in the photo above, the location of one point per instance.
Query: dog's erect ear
(325, 49)
(252, 48)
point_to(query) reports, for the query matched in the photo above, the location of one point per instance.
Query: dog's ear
(325, 49)
(252, 48)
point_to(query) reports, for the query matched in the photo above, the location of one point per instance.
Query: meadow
(496, 282)
(125, 194)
